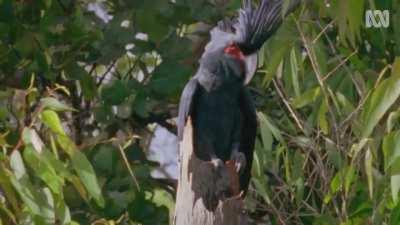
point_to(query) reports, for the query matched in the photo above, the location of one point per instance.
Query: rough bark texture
(198, 181)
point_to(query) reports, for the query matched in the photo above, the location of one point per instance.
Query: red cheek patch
(234, 51)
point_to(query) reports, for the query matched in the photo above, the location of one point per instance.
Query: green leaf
(169, 78)
(261, 186)
(87, 175)
(7, 188)
(395, 187)
(257, 163)
(116, 93)
(47, 3)
(395, 215)
(30, 136)
(57, 164)
(356, 148)
(162, 198)
(322, 120)
(285, 6)
(106, 159)
(349, 14)
(277, 48)
(27, 195)
(349, 179)
(39, 201)
(46, 200)
(266, 136)
(295, 74)
(336, 181)
(346, 106)
(21, 183)
(391, 120)
(3, 113)
(77, 183)
(391, 152)
(66, 144)
(148, 23)
(380, 101)
(17, 165)
(55, 105)
(51, 120)
(328, 197)
(321, 56)
(62, 212)
(274, 130)
(343, 178)
(368, 170)
(44, 170)
(89, 88)
(7, 212)
(306, 98)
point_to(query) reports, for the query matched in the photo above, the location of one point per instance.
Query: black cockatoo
(223, 114)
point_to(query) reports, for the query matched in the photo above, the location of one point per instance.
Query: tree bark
(198, 181)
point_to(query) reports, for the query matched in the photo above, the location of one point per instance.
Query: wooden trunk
(198, 179)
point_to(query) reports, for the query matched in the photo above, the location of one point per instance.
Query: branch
(199, 184)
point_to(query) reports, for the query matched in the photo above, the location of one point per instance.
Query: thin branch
(121, 150)
(323, 31)
(339, 65)
(62, 6)
(318, 75)
(105, 73)
(352, 114)
(286, 102)
(333, 49)
(134, 65)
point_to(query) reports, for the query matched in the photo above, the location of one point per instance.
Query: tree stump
(198, 180)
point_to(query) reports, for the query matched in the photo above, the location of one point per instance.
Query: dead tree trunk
(196, 181)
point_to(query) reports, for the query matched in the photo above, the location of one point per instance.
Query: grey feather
(186, 104)
(252, 28)
(256, 25)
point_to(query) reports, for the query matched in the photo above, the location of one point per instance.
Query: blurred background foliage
(82, 83)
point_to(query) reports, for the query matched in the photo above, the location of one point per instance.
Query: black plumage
(223, 114)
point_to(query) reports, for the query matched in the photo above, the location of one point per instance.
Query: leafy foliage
(327, 149)
(79, 94)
